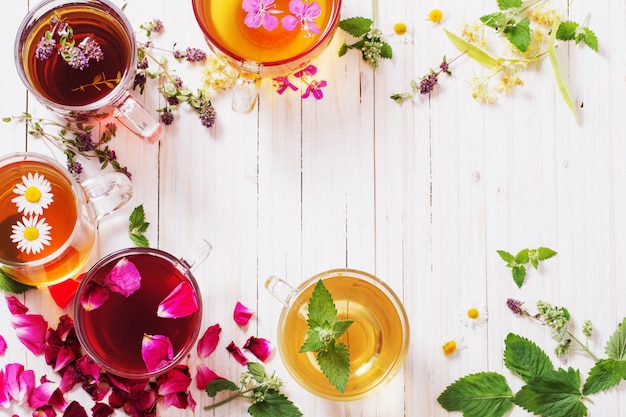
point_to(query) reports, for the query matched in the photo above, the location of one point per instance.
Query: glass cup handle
(106, 193)
(196, 255)
(246, 89)
(135, 117)
(280, 289)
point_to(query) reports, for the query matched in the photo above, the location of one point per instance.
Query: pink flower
(3, 345)
(309, 70)
(242, 314)
(204, 375)
(304, 14)
(181, 302)
(261, 348)
(93, 296)
(124, 278)
(282, 83)
(157, 351)
(259, 14)
(208, 342)
(237, 353)
(15, 305)
(19, 383)
(315, 88)
(31, 331)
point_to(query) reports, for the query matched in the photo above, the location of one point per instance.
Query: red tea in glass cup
(266, 38)
(48, 219)
(79, 59)
(138, 311)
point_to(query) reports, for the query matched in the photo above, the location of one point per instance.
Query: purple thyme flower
(74, 57)
(194, 55)
(515, 306)
(167, 118)
(428, 83)
(91, 49)
(84, 143)
(45, 48)
(110, 128)
(207, 116)
(74, 168)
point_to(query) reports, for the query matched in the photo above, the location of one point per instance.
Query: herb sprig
(325, 329)
(137, 227)
(256, 387)
(369, 40)
(518, 263)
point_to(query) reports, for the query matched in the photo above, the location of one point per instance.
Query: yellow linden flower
(435, 15)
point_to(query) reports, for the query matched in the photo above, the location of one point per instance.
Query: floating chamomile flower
(473, 314)
(33, 194)
(453, 345)
(435, 16)
(31, 234)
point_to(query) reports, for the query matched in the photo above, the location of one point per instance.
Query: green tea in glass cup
(377, 339)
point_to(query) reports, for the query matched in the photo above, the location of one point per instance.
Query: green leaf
(9, 285)
(557, 72)
(605, 374)
(566, 31)
(519, 34)
(496, 20)
(616, 346)
(525, 358)
(258, 371)
(340, 327)
(343, 49)
(335, 364)
(519, 275)
(274, 404)
(312, 343)
(553, 394)
(386, 51)
(218, 385)
(485, 394)
(476, 53)
(545, 253)
(522, 257)
(139, 240)
(137, 226)
(509, 4)
(506, 256)
(356, 26)
(590, 39)
(321, 307)
(137, 217)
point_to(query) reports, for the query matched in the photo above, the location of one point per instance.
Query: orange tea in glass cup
(266, 38)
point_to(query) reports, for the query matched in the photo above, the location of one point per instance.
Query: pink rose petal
(41, 394)
(93, 296)
(124, 278)
(173, 382)
(242, 314)
(181, 302)
(5, 400)
(102, 410)
(31, 331)
(157, 351)
(204, 375)
(208, 342)
(237, 353)
(260, 347)
(19, 383)
(15, 305)
(75, 410)
(3, 345)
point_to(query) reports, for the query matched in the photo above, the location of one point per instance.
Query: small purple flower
(157, 25)
(167, 118)
(259, 14)
(428, 83)
(84, 142)
(74, 57)
(194, 55)
(110, 128)
(207, 116)
(515, 306)
(303, 14)
(282, 83)
(45, 48)
(309, 71)
(74, 168)
(315, 88)
(91, 49)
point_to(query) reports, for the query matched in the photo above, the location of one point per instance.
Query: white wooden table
(421, 195)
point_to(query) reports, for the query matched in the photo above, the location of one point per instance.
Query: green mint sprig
(256, 387)
(546, 392)
(137, 227)
(324, 329)
(369, 40)
(519, 262)
(7, 284)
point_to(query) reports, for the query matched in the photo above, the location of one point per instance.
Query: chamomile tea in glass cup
(266, 38)
(138, 311)
(79, 59)
(371, 323)
(48, 219)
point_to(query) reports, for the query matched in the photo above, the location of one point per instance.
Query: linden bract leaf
(485, 394)
(525, 358)
(476, 53)
(356, 26)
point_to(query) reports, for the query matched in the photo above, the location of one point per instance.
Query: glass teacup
(119, 321)
(48, 219)
(261, 38)
(79, 59)
(377, 340)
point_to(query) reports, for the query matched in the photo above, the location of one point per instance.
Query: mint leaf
(566, 31)
(335, 364)
(522, 256)
(496, 21)
(257, 371)
(509, 4)
(518, 262)
(218, 385)
(7, 284)
(519, 34)
(356, 26)
(545, 253)
(590, 38)
(137, 226)
(519, 275)
(506, 256)
(525, 358)
(321, 307)
(274, 404)
(616, 346)
(605, 374)
(343, 49)
(553, 394)
(312, 343)
(340, 327)
(485, 394)
(386, 51)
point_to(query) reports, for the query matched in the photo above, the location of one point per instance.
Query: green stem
(582, 345)
(231, 398)
(374, 11)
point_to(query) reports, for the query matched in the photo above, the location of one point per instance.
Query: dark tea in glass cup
(79, 58)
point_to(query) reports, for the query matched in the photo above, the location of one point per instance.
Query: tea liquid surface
(115, 330)
(224, 19)
(374, 339)
(55, 80)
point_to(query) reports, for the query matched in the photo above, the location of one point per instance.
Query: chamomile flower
(33, 194)
(452, 346)
(31, 234)
(435, 16)
(398, 32)
(473, 314)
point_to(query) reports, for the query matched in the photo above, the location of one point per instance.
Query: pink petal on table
(260, 347)
(181, 302)
(65, 356)
(124, 278)
(15, 305)
(5, 400)
(157, 351)
(41, 394)
(176, 380)
(102, 410)
(3, 345)
(31, 331)
(93, 296)
(18, 383)
(75, 410)
(237, 353)
(208, 342)
(242, 314)
(204, 375)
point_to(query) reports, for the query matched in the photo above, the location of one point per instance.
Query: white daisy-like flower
(398, 31)
(473, 314)
(31, 234)
(435, 16)
(33, 194)
(453, 345)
